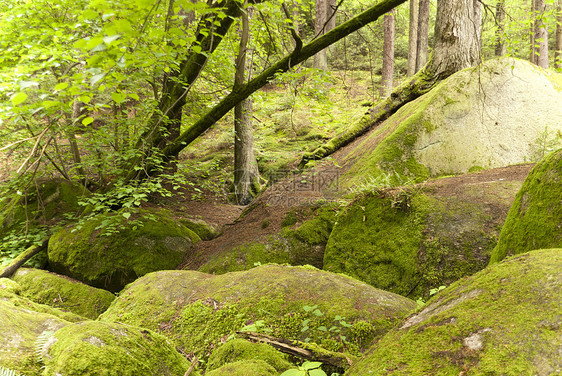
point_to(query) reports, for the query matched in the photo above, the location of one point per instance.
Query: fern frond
(8, 372)
(40, 343)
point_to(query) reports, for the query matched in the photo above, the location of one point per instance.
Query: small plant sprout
(306, 369)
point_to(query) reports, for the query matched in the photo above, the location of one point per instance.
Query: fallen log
(23, 258)
(302, 350)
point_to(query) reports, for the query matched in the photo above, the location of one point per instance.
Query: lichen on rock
(110, 250)
(112, 349)
(62, 292)
(506, 319)
(534, 219)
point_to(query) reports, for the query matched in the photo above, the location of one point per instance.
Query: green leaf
(88, 120)
(317, 312)
(323, 328)
(26, 84)
(317, 372)
(61, 86)
(18, 98)
(126, 215)
(294, 372)
(118, 97)
(311, 365)
(111, 38)
(95, 78)
(134, 96)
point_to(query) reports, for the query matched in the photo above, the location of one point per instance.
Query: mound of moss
(245, 368)
(204, 230)
(412, 240)
(504, 320)
(198, 311)
(20, 326)
(239, 349)
(110, 250)
(100, 348)
(301, 241)
(62, 292)
(534, 219)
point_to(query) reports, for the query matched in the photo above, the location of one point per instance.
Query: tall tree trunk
(324, 21)
(500, 31)
(456, 48)
(477, 17)
(412, 38)
(558, 43)
(246, 174)
(423, 34)
(387, 55)
(541, 34)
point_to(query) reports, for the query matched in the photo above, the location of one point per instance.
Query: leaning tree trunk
(387, 55)
(246, 174)
(456, 48)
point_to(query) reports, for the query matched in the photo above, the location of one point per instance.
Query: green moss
(239, 349)
(61, 292)
(504, 320)
(475, 169)
(145, 242)
(111, 349)
(534, 219)
(204, 230)
(10, 286)
(245, 368)
(20, 325)
(198, 310)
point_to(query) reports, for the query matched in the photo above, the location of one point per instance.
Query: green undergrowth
(534, 219)
(301, 241)
(504, 320)
(198, 311)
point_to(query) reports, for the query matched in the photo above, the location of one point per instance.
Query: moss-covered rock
(301, 241)
(198, 310)
(412, 240)
(239, 349)
(534, 220)
(477, 117)
(62, 292)
(504, 320)
(100, 348)
(10, 286)
(206, 231)
(20, 326)
(245, 368)
(109, 250)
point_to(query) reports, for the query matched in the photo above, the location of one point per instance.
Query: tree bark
(477, 18)
(23, 258)
(533, 13)
(541, 35)
(412, 38)
(246, 174)
(299, 55)
(500, 31)
(324, 21)
(456, 48)
(423, 34)
(388, 55)
(558, 43)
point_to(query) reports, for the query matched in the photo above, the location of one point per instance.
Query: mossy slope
(239, 349)
(146, 242)
(301, 241)
(99, 348)
(197, 310)
(504, 320)
(61, 292)
(534, 219)
(411, 240)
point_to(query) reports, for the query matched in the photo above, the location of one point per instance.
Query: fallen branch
(23, 258)
(191, 367)
(301, 350)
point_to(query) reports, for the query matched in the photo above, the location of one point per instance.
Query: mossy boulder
(240, 349)
(206, 231)
(94, 348)
(10, 286)
(245, 368)
(108, 251)
(20, 326)
(504, 320)
(62, 292)
(476, 118)
(198, 311)
(301, 241)
(534, 221)
(412, 240)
